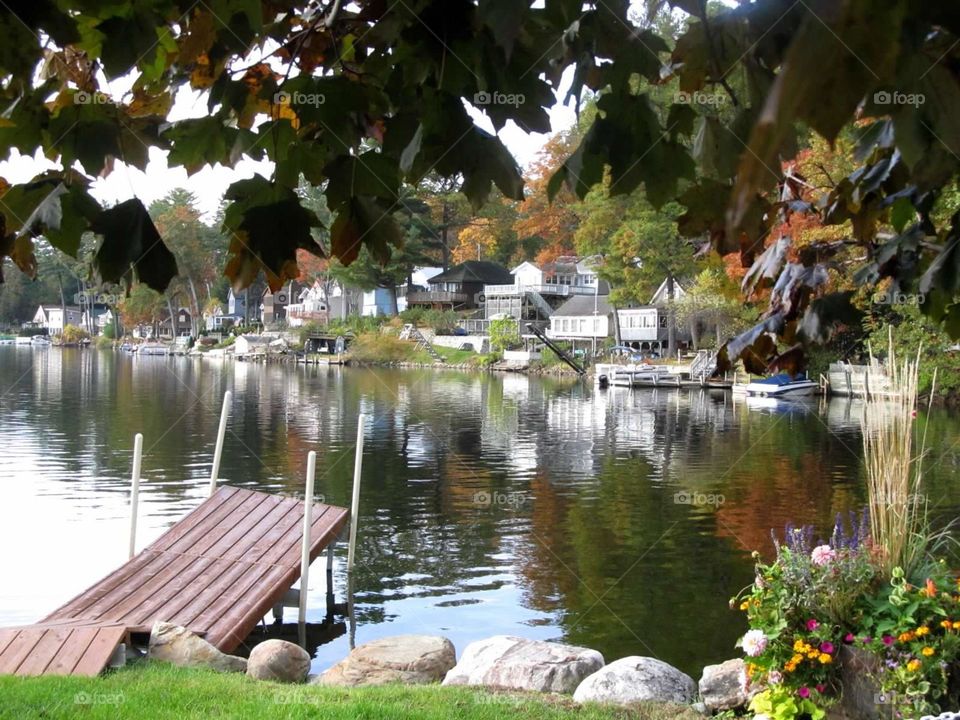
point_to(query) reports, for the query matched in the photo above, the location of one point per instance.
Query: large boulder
(636, 679)
(280, 661)
(409, 659)
(721, 686)
(517, 664)
(175, 644)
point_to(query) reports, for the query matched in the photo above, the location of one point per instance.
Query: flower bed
(813, 600)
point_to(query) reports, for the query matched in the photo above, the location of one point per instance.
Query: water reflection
(622, 520)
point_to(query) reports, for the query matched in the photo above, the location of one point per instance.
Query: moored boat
(782, 385)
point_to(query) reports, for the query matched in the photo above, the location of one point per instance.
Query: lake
(491, 504)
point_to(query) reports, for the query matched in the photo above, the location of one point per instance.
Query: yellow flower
(922, 630)
(956, 625)
(796, 659)
(813, 654)
(913, 665)
(825, 659)
(946, 624)
(789, 667)
(906, 637)
(745, 604)
(927, 651)
(798, 646)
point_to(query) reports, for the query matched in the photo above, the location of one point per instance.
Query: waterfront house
(572, 272)
(646, 327)
(584, 318)
(53, 318)
(461, 287)
(309, 305)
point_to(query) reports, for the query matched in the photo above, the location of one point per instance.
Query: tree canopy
(700, 104)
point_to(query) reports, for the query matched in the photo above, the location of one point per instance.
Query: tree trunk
(444, 246)
(616, 326)
(195, 310)
(63, 303)
(394, 306)
(173, 317)
(671, 318)
(343, 301)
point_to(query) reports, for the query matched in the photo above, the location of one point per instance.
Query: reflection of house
(462, 286)
(53, 319)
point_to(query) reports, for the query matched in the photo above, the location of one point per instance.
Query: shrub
(504, 334)
(110, 330)
(74, 334)
(378, 348)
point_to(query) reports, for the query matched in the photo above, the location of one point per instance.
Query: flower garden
(875, 603)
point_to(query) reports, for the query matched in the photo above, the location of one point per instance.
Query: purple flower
(827, 647)
(821, 688)
(849, 638)
(804, 692)
(888, 640)
(812, 624)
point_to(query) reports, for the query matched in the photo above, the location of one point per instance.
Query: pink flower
(823, 555)
(888, 640)
(775, 677)
(812, 624)
(804, 692)
(821, 687)
(754, 642)
(827, 647)
(849, 638)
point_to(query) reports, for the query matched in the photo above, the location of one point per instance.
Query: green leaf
(373, 174)
(198, 142)
(505, 20)
(268, 225)
(364, 221)
(128, 38)
(131, 248)
(901, 213)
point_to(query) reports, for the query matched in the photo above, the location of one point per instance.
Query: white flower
(774, 678)
(754, 642)
(822, 555)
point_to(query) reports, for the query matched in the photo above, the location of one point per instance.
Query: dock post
(355, 503)
(307, 523)
(135, 491)
(218, 449)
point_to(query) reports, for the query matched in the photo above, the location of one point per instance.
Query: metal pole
(218, 450)
(355, 504)
(135, 491)
(307, 523)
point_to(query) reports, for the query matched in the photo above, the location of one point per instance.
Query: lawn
(161, 691)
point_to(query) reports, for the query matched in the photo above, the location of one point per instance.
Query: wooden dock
(217, 572)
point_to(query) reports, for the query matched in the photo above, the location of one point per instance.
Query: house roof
(660, 296)
(583, 305)
(478, 271)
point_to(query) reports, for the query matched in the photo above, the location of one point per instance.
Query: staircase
(542, 305)
(704, 364)
(410, 332)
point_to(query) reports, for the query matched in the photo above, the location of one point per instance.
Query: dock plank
(217, 572)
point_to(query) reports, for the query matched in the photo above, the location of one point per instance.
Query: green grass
(161, 691)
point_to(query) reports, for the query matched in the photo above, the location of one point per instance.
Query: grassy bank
(377, 349)
(162, 691)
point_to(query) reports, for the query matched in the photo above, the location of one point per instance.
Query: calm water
(490, 504)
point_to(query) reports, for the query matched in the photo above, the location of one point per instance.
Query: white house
(582, 317)
(311, 306)
(52, 317)
(251, 344)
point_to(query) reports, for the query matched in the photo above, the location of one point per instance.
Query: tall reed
(894, 472)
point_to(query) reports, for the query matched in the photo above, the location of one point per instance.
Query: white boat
(782, 385)
(40, 341)
(21, 340)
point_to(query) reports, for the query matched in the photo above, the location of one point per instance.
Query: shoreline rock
(514, 663)
(280, 661)
(177, 645)
(636, 679)
(409, 659)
